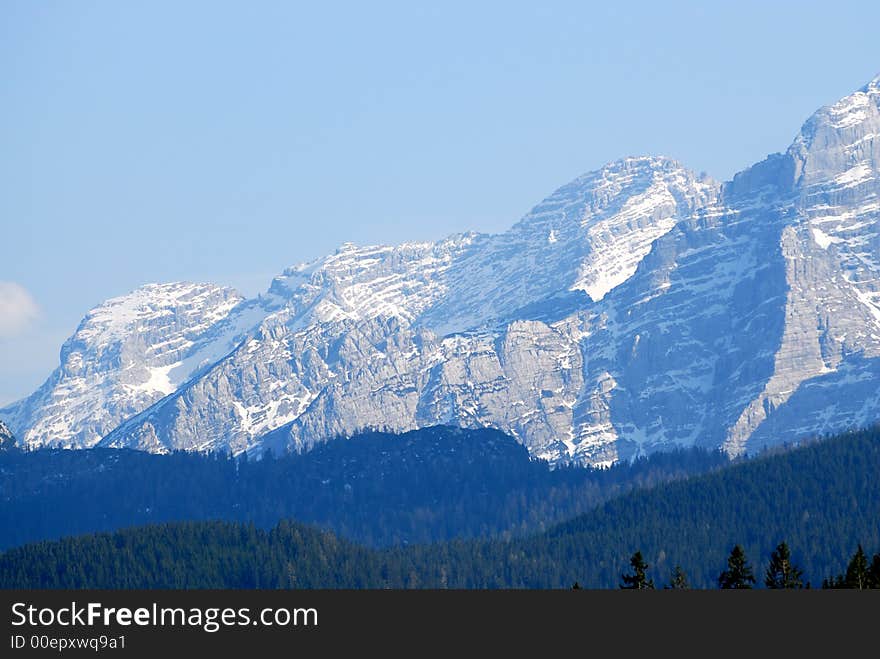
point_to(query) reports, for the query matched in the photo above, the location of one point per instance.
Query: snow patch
(850, 111)
(823, 240)
(854, 176)
(159, 380)
(620, 242)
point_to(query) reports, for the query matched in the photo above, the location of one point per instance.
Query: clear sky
(215, 141)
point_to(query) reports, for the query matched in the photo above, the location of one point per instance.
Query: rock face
(637, 308)
(422, 334)
(128, 353)
(7, 440)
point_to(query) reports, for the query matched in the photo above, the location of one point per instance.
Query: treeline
(781, 573)
(824, 499)
(195, 555)
(378, 489)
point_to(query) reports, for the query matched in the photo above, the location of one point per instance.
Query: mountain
(636, 309)
(822, 499)
(126, 354)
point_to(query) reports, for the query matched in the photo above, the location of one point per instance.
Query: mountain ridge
(637, 308)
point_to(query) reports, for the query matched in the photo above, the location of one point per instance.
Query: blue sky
(215, 141)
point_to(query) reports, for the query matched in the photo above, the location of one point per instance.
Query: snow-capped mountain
(128, 353)
(638, 307)
(589, 235)
(366, 337)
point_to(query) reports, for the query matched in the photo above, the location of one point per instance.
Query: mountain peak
(588, 237)
(127, 353)
(623, 171)
(114, 318)
(850, 111)
(839, 145)
(644, 160)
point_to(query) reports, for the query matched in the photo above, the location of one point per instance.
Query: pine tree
(874, 572)
(832, 583)
(857, 571)
(738, 574)
(679, 580)
(638, 580)
(781, 573)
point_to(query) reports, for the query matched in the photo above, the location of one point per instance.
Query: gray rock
(128, 353)
(7, 439)
(636, 309)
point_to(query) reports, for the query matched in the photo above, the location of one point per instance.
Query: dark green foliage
(197, 555)
(874, 573)
(857, 571)
(781, 573)
(833, 582)
(822, 498)
(378, 489)
(679, 580)
(638, 579)
(739, 574)
(859, 574)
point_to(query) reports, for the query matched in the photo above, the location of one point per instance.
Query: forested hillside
(822, 499)
(379, 489)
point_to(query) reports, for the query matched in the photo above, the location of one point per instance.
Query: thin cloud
(18, 309)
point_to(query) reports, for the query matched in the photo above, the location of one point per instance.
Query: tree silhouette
(781, 574)
(638, 580)
(857, 571)
(738, 574)
(874, 572)
(679, 580)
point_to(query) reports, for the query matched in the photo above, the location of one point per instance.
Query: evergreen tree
(106, 488)
(679, 580)
(638, 580)
(738, 574)
(831, 583)
(857, 571)
(781, 573)
(874, 572)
